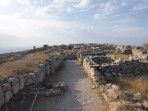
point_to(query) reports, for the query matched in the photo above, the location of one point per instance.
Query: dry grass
(135, 85)
(25, 65)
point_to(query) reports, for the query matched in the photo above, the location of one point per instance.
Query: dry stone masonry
(117, 100)
(14, 84)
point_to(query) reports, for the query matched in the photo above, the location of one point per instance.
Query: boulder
(60, 85)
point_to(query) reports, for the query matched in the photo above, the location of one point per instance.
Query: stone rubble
(117, 100)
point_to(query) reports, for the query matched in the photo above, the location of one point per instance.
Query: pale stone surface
(15, 88)
(145, 103)
(8, 96)
(1, 96)
(112, 93)
(6, 87)
(115, 87)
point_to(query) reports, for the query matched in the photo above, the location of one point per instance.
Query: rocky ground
(80, 94)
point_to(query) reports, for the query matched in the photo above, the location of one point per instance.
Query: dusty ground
(79, 96)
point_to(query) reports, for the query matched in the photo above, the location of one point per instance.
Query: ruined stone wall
(126, 68)
(140, 54)
(117, 99)
(14, 84)
(72, 56)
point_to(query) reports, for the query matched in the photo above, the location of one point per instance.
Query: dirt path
(79, 95)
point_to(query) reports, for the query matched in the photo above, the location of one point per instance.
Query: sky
(28, 23)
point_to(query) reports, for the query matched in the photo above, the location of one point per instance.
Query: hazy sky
(28, 23)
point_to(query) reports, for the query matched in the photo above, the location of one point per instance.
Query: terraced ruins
(76, 77)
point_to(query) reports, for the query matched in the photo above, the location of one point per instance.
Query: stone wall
(72, 56)
(143, 54)
(112, 68)
(117, 100)
(14, 84)
(125, 68)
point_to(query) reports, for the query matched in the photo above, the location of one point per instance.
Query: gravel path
(79, 96)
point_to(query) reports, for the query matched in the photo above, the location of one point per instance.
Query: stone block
(13, 80)
(15, 88)
(32, 75)
(8, 96)
(108, 74)
(6, 87)
(114, 93)
(21, 82)
(1, 96)
(28, 79)
(115, 87)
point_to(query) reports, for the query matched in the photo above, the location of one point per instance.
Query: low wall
(117, 100)
(126, 68)
(72, 56)
(14, 84)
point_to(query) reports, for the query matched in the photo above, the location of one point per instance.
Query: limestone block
(6, 87)
(113, 94)
(115, 87)
(115, 106)
(15, 88)
(21, 82)
(145, 103)
(8, 96)
(1, 96)
(13, 80)
(28, 79)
